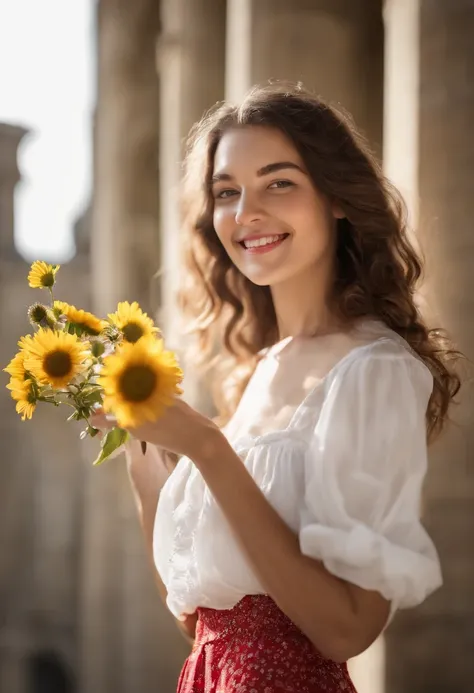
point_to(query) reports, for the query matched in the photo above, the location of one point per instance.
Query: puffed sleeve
(364, 471)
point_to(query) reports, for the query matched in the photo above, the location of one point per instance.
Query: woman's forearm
(148, 474)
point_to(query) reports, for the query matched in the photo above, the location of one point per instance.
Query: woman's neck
(302, 307)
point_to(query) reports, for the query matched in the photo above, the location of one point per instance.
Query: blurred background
(96, 97)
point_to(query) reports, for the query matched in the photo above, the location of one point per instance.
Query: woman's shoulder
(378, 349)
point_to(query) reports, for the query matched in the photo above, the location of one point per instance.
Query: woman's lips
(265, 244)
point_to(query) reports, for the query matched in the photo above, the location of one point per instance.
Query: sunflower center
(137, 383)
(57, 364)
(132, 332)
(38, 313)
(47, 280)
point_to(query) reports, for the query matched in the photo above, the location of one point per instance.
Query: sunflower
(42, 275)
(55, 358)
(139, 380)
(81, 319)
(41, 315)
(132, 322)
(23, 392)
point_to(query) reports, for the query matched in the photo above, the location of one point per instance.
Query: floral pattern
(255, 648)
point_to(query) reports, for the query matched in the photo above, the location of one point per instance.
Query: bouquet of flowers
(85, 362)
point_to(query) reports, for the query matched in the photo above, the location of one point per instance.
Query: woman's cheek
(224, 227)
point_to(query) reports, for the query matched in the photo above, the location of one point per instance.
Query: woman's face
(268, 215)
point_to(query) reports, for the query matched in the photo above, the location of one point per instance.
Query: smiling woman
(292, 535)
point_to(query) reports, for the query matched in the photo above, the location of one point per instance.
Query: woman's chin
(265, 278)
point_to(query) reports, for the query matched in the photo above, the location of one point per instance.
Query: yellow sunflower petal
(17, 388)
(25, 409)
(132, 321)
(16, 367)
(42, 275)
(25, 342)
(56, 358)
(140, 380)
(81, 318)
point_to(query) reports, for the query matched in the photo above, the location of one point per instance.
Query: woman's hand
(180, 430)
(165, 461)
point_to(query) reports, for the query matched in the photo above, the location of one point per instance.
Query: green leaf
(92, 396)
(112, 440)
(89, 431)
(93, 432)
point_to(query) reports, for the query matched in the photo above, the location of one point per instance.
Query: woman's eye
(281, 184)
(224, 194)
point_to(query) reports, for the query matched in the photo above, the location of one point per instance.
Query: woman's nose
(248, 212)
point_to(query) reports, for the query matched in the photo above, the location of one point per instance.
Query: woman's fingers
(102, 421)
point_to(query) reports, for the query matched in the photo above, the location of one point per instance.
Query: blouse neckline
(278, 347)
(241, 442)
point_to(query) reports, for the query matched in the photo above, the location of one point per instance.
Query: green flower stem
(48, 400)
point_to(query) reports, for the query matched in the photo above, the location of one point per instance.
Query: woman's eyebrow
(264, 171)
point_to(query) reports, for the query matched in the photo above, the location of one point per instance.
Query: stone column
(124, 240)
(335, 47)
(128, 642)
(429, 137)
(16, 542)
(191, 59)
(10, 138)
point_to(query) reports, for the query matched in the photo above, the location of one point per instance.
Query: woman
(287, 539)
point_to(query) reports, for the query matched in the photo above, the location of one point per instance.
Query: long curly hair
(378, 268)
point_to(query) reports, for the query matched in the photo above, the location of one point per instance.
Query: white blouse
(345, 473)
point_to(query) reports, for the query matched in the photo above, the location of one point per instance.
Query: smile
(264, 244)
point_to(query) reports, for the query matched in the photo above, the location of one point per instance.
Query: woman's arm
(340, 619)
(148, 473)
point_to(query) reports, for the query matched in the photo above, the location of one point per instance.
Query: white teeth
(266, 240)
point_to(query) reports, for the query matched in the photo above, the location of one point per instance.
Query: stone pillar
(431, 147)
(128, 641)
(401, 99)
(335, 47)
(191, 59)
(14, 527)
(124, 240)
(10, 138)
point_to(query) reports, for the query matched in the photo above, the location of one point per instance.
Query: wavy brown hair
(378, 268)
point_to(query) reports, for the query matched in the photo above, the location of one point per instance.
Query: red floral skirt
(255, 648)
